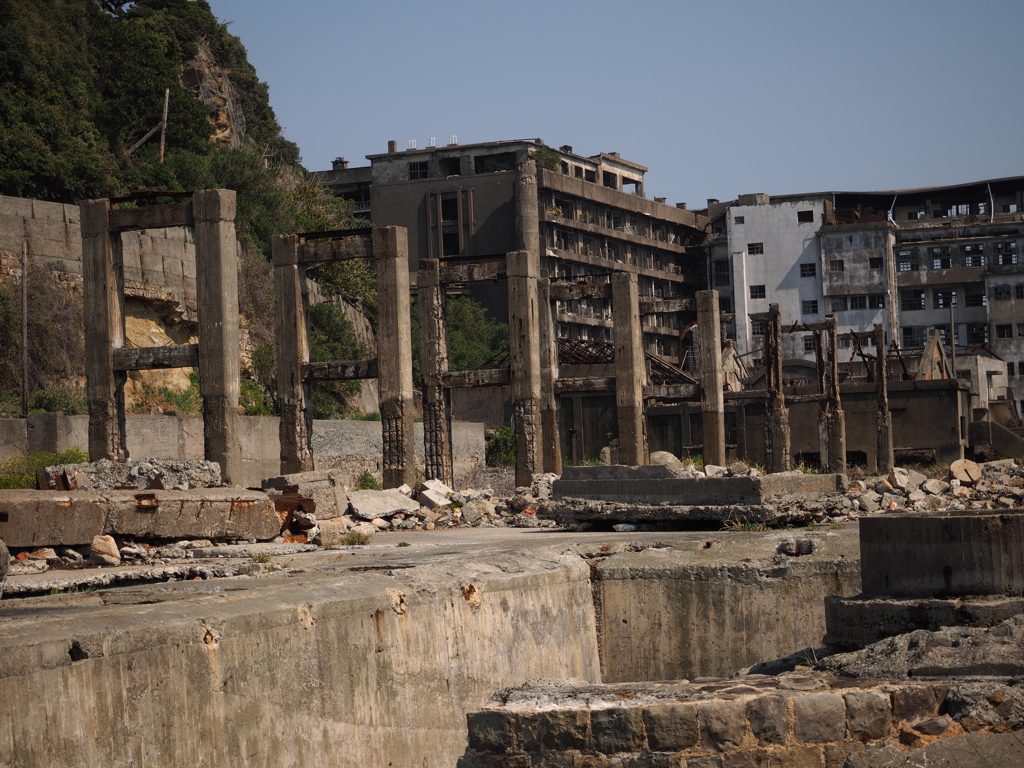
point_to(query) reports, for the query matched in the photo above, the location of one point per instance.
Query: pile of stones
(967, 486)
(171, 474)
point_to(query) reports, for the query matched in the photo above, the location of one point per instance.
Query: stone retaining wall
(794, 720)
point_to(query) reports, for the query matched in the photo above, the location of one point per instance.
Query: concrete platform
(73, 518)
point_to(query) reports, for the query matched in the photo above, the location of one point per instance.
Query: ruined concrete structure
(582, 217)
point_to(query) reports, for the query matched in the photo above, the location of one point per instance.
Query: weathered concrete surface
(50, 518)
(364, 655)
(853, 622)
(325, 487)
(794, 720)
(714, 605)
(961, 553)
(319, 669)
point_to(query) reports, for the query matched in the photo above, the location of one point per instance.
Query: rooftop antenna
(412, 143)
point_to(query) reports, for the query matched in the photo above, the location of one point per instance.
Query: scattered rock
(104, 551)
(966, 471)
(796, 547)
(712, 470)
(369, 505)
(434, 493)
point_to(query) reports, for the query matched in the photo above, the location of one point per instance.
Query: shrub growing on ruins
(501, 449)
(21, 471)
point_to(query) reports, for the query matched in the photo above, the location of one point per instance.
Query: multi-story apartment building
(943, 258)
(590, 218)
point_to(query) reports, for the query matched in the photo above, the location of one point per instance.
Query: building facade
(584, 217)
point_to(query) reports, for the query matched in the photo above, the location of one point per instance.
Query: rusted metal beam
(358, 247)
(651, 306)
(151, 217)
(148, 358)
(340, 370)
(486, 377)
(469, 273)
(569, 292)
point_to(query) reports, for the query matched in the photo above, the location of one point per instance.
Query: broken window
(1004, 331)
(1001, 293)
(565, 168)
(941, 258)
(632, 187)
(913, 337)
(974, 256)
(1018, 291)
(450, 244)
(943, 299)
(725, 304)
(755, 248)
(504, 161)
(805, 217)
(837, 265)
(977, 333)
(449, 166)
(589, 175)
(721, 272)
(906, 261)
(1020, 329)
(875, 262)
(912, 299)
(943, 333)
(876, 300)
(975, 296)
(808, 343)
(610, 180)
(858, 302)
(577, 172)
(1010, 370)
(757, 327)
(809, 307)
(449, 208)
(838, 304)
(418, 171)
(808, 270)
(757, 292)
(737, 219)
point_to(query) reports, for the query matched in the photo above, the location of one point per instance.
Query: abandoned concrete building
(913, 260)
(464, 203)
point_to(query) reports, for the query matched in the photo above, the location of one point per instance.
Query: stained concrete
(361, 656)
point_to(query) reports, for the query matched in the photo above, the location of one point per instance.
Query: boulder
(434, 493)
(666, 459)
(104, 551)
(368, 505)
(966, 471)
(473, 511)
(713, 470)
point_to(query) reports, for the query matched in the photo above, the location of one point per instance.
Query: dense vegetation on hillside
(82, 81)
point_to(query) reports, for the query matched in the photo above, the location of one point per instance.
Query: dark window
(449, 166)
(418, 171)
(845, 342)
(1010, 371)
(974, 256)
(503, 161)
(449, 209)
(858, 302)
(737, 220)
(610, 180)
(876, 301)
(757, 292)
(906, 261)
(1004, 331)
(875, 262)
(809, 307)
(913, 337)
(1001, 293)
(912, 299)
(450, 243)
(757, 327)
(755, 248)
(725, 304)
(721, 272)
(808, 270)
(977, 333)
(1018, 291)
(838, 304)
(808, 343)
(577, 171)
(565, 168)
(837, 265)
(941, 258)
(943, 299)
(975, 296)
(805, 217)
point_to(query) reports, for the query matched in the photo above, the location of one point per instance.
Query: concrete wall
(352, 446)
(324, 670)
(669, 613)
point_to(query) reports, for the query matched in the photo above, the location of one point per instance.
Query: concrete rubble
(171, 474)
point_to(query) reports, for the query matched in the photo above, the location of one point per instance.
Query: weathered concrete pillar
(630, 371)
(291, 346)
(884, 461)
(394, 355)
(524, 353)
(437, 444)
(776, 414)
(551, 449)
(104, 332)
(217, 297)
(712, 400)
(832, 424)
(526, 206)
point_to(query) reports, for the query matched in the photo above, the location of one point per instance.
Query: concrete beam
(524, 353)
(630, 370)
(292, 352)
(437, 445)
(712, 402)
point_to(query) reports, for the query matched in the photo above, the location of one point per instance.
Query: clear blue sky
(717, 99)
